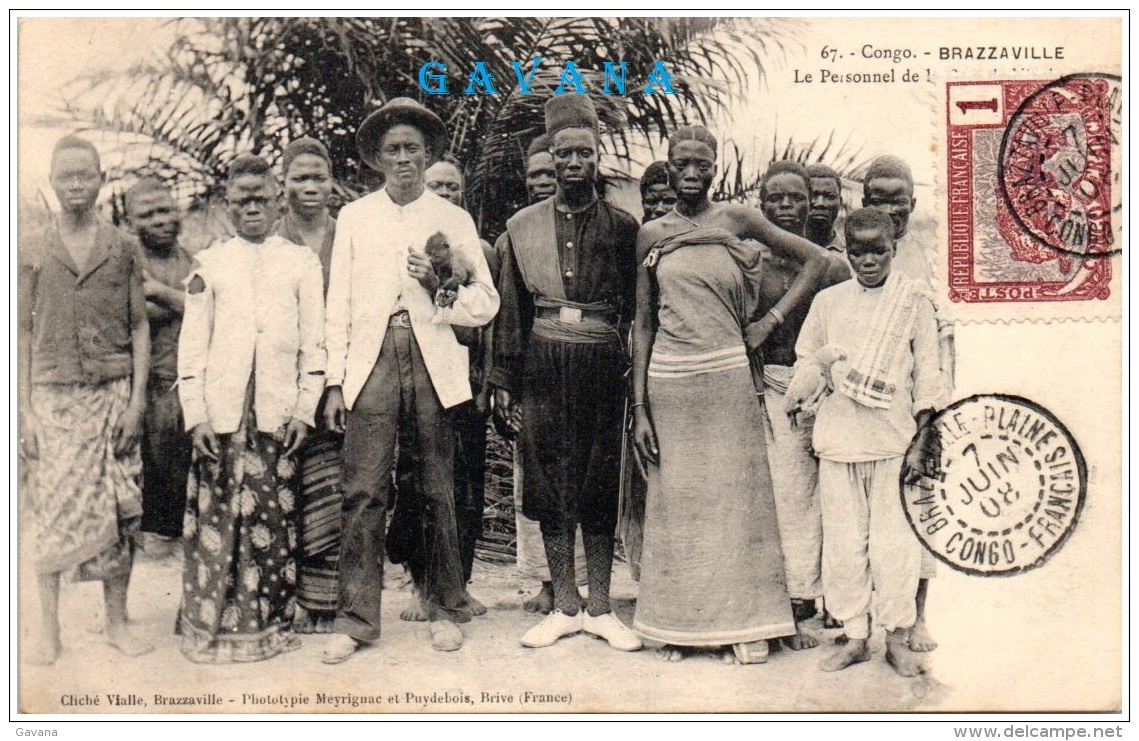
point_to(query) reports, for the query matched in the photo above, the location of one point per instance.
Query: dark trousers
(398, 402)
(470, 480)
(470, 494)
(166, 451)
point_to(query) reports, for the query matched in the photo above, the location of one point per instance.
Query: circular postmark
(1010, 488)
(1060, 165)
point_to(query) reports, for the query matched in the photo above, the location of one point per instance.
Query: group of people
(270, 398)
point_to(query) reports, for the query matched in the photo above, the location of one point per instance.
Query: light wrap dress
(712, 567)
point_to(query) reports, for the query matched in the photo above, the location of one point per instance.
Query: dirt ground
(492, 673)
(1001, 651)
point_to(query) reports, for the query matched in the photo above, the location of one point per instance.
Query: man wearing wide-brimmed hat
(394, 369)
(568, 280)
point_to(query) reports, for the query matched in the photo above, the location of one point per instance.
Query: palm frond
(233, 84)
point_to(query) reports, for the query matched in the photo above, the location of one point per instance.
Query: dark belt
(400, 319)
(571, 315)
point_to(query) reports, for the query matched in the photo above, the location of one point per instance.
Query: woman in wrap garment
(712, 567)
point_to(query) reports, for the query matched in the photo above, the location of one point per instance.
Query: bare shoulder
(649, 234)
(732, 215)
(660, 229)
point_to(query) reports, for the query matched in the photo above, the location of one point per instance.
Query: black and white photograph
(372, 366)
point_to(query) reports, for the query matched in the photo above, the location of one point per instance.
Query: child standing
(874, 341)
(84, 351)
(250, 374)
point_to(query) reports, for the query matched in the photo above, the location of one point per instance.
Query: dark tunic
(571, 391)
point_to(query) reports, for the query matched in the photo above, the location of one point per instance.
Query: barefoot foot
(324, 621)
(477, 608)
(830, 622)
(127, 641)
(543, 601)
(906, 662)
(418, 611)
(855, 651)
(670, 654)
(920, 638)
(302, 621)
(801, 640)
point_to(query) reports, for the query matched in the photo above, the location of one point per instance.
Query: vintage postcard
(997, 147)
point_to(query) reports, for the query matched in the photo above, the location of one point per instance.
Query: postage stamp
(1010, 487)
(1034, 210)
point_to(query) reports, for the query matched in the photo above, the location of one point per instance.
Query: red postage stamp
(1034, 190)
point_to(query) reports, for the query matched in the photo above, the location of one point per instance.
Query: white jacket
(260, 307)
(370, 280)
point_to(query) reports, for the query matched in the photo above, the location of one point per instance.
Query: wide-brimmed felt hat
(400, 111)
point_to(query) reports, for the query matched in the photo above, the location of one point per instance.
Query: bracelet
(777, 314)
(638, 404)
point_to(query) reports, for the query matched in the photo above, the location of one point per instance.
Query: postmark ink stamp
(1056, 159)
(1010, 489)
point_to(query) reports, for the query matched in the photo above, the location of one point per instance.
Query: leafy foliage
(230, 85)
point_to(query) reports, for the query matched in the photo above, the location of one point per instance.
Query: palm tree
(238, 84)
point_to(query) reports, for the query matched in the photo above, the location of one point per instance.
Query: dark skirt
(572, 395)
(240, 572)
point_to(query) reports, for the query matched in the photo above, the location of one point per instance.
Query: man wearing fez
(394, 370)
(541, 183)
(568, 279)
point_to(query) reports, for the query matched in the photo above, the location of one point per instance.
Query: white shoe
(607, 626)
(554, 626)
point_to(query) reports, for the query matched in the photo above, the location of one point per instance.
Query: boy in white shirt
(873, 340)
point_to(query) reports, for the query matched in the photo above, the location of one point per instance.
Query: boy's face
(403, 157)
(786, 201)
(308, 183)
(252, 202)
(575, 157)
(894, 196)
(541, 179)
(870, 253)
(658, 200)
(445, 181)
(154, 218)
(826, 200)
(76, 179)
(691, 169)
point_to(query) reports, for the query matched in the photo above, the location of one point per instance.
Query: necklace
(690, 221)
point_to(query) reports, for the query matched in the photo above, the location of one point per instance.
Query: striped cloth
(317, 588)
(870, 378)
(679, 366)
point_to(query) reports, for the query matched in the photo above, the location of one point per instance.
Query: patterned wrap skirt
(84, 500)
(240, 536)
